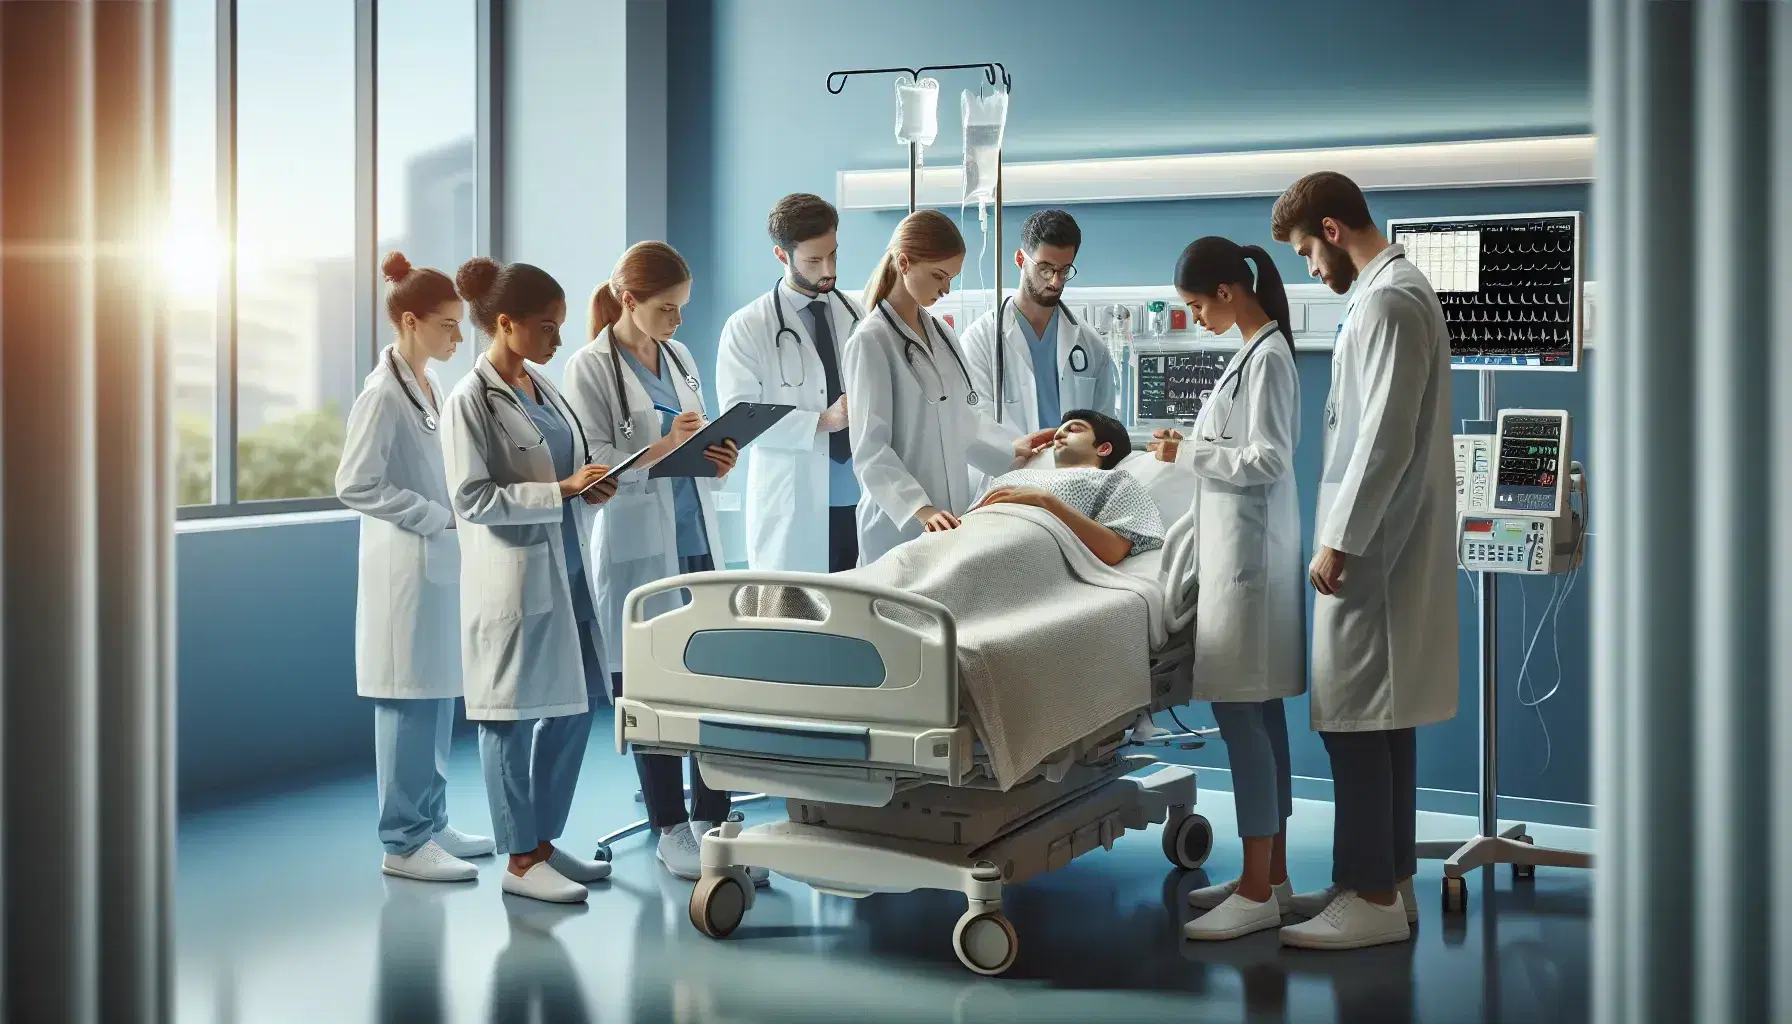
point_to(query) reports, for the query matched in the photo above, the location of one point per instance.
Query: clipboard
(741, 424)
(617, 470)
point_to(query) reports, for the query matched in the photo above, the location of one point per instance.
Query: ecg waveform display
(1174, 385)
(1508, 286)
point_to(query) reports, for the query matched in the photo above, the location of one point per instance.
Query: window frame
(367, 340)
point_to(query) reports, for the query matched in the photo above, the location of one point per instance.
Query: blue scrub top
(693, 539)
(559, 437)
(1045, 368)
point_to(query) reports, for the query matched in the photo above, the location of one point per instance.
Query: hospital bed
(853, 718)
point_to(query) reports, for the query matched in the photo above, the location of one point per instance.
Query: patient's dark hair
(1107, 430)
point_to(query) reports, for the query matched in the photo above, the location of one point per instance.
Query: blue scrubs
(693, 539)
(411, 739)
(532, 767)
(1045, 369)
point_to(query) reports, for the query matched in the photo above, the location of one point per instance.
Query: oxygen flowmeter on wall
(1514, 496)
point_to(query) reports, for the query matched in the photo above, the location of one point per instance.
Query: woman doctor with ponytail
(917, 429)
(621, 385)
(1250, 613)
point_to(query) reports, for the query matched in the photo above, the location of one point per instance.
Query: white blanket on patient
(1052, 643)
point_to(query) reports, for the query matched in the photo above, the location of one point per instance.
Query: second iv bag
(917, 111)
(985, 116)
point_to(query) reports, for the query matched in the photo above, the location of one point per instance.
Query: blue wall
(267, 658)
(751, 121)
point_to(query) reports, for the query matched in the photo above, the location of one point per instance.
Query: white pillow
(1172, 487)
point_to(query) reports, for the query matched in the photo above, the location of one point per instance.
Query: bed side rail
(856, 663)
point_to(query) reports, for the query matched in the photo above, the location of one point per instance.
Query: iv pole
(992, 72)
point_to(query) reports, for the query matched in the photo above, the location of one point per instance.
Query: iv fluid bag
(917, 110)
(985, 116)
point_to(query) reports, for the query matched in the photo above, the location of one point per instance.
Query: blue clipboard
(741, 424)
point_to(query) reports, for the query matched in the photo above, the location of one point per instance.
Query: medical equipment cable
(1552, 616)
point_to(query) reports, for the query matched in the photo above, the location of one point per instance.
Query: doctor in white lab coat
(784, 348)
(1047, 362)
(917, 433)
(1384, 566)
(407, 607)
(1250, 606)
(651, 529)
(520, 474)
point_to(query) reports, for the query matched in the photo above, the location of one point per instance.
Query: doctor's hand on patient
(1327, 571)
(935, 521)
(724, 456)
(1165, 443)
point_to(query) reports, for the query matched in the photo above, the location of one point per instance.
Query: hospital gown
(1111, 497)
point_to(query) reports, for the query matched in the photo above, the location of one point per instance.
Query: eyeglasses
(1048, 271)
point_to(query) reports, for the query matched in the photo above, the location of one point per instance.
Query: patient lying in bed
(1105, 507)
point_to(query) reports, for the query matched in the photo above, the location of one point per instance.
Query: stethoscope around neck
(910, 346)
(785, 328)
(516, 403)
(1077, 352)
(1235, 377)
(429, 418)
(626, 422)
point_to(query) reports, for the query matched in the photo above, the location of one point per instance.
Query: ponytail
(926, 236)
(1271, 293)
(883, 279)
(646, 269)
(606, 309)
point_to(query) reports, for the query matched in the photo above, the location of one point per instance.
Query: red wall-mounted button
(949, 321)
(1178, 319)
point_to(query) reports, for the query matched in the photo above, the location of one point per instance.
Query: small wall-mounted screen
(1174, 385)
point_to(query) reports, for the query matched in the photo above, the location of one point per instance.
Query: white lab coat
(519, 637)
(1384, 648)
(1094, 387)
(633, 538)
(1251, 605)
(787, 466)
(407, 596)
(910, 449)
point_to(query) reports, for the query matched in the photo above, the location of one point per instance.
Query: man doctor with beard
(784, 348)
(1046, 362)
(1384, 562)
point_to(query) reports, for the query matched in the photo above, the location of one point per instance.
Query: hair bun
(395, 267)
(475, 277)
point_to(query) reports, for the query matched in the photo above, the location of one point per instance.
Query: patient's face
(1075, 446)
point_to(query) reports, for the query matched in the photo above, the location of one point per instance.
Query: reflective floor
(284, 916)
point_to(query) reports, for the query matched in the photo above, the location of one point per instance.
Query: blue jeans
(532, 765)
(1256, 735)
(410, 755)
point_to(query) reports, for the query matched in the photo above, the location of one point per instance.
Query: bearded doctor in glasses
(918, 433)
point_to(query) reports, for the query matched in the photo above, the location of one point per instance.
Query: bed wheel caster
(602, 853)
(717, 905)
(1188, 839)
(1455, 895)
(1525, 872)
(985, 941)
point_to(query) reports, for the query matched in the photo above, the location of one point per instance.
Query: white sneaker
(1145, 729)
(1309, 905)
(1410, 901)
(429, 863)
(1351, 922)
(577, 868)
(679, 852)
(462, 844)
(760, 876)
(1214, 895)
(1233, 918)
(542, 882)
